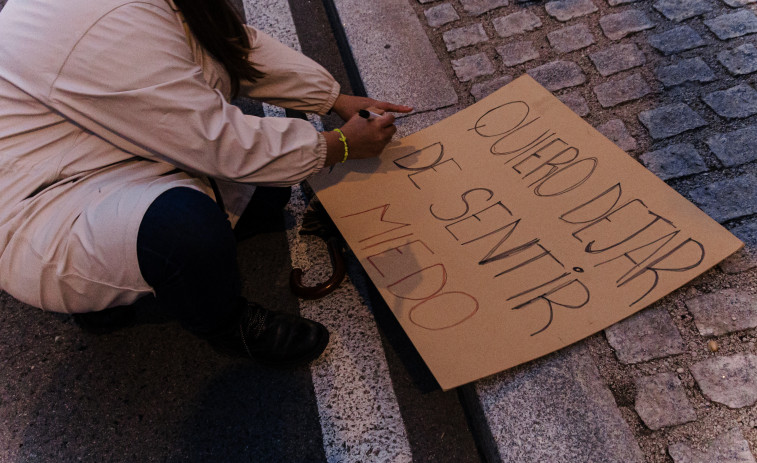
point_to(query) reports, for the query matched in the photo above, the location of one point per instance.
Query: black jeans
(188, 254)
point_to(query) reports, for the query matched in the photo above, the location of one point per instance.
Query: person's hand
(346, 106)
(366, 138)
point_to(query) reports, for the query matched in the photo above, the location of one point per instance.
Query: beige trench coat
(106, 104)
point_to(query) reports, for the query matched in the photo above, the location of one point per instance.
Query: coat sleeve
(131, 79)
(291, 79)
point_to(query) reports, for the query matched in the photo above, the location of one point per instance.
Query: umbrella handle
(322, 289)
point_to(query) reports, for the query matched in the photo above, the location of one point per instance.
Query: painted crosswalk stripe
(359, 414)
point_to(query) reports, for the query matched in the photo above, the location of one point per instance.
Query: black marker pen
(365, 114)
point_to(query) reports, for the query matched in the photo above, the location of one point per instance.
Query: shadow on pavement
(152, 391)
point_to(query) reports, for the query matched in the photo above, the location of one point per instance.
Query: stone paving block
(729, 380)
(620, 2)
(661, 401)
(678, 10)
(666, 121)
(412, 123)
(575, 102)
(687, 70)
(558, 75)
(740, 261)
(516, 23)
(676, 40)
(617, 58)
(618, 25)
(470, 67)
(464, 36)
(746, 258)
(571, 38)
(737, 3)
(674, 161)
(479, 7)
(483, 89)
(741, 60)
(729, 447)
(645, 335)
(735, 102)
(517, 52)
(727, 199)
(733, 25)
(619, 91)
(735, 148)
(440, 15)
(616, 131)
(409, 49)
(558, 410)
(565, 10)
(724, 312)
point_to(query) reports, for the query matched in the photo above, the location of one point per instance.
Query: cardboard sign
(513, 229)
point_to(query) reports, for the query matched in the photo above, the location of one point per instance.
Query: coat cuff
(320, 152)
(329, 103)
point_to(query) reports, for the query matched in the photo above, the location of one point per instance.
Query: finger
(386, 120)
(395, 108)
(375, 110)
(388, 132)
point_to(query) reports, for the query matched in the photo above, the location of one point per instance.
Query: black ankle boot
(273, 338)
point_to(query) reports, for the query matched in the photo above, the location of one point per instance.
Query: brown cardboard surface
(513, 229)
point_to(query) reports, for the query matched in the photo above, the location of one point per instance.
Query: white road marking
(359, 414)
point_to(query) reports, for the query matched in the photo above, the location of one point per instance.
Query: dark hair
(219, 28)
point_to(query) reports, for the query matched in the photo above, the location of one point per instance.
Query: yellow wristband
(343, 139)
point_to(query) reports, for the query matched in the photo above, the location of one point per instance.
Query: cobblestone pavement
(672, 83)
